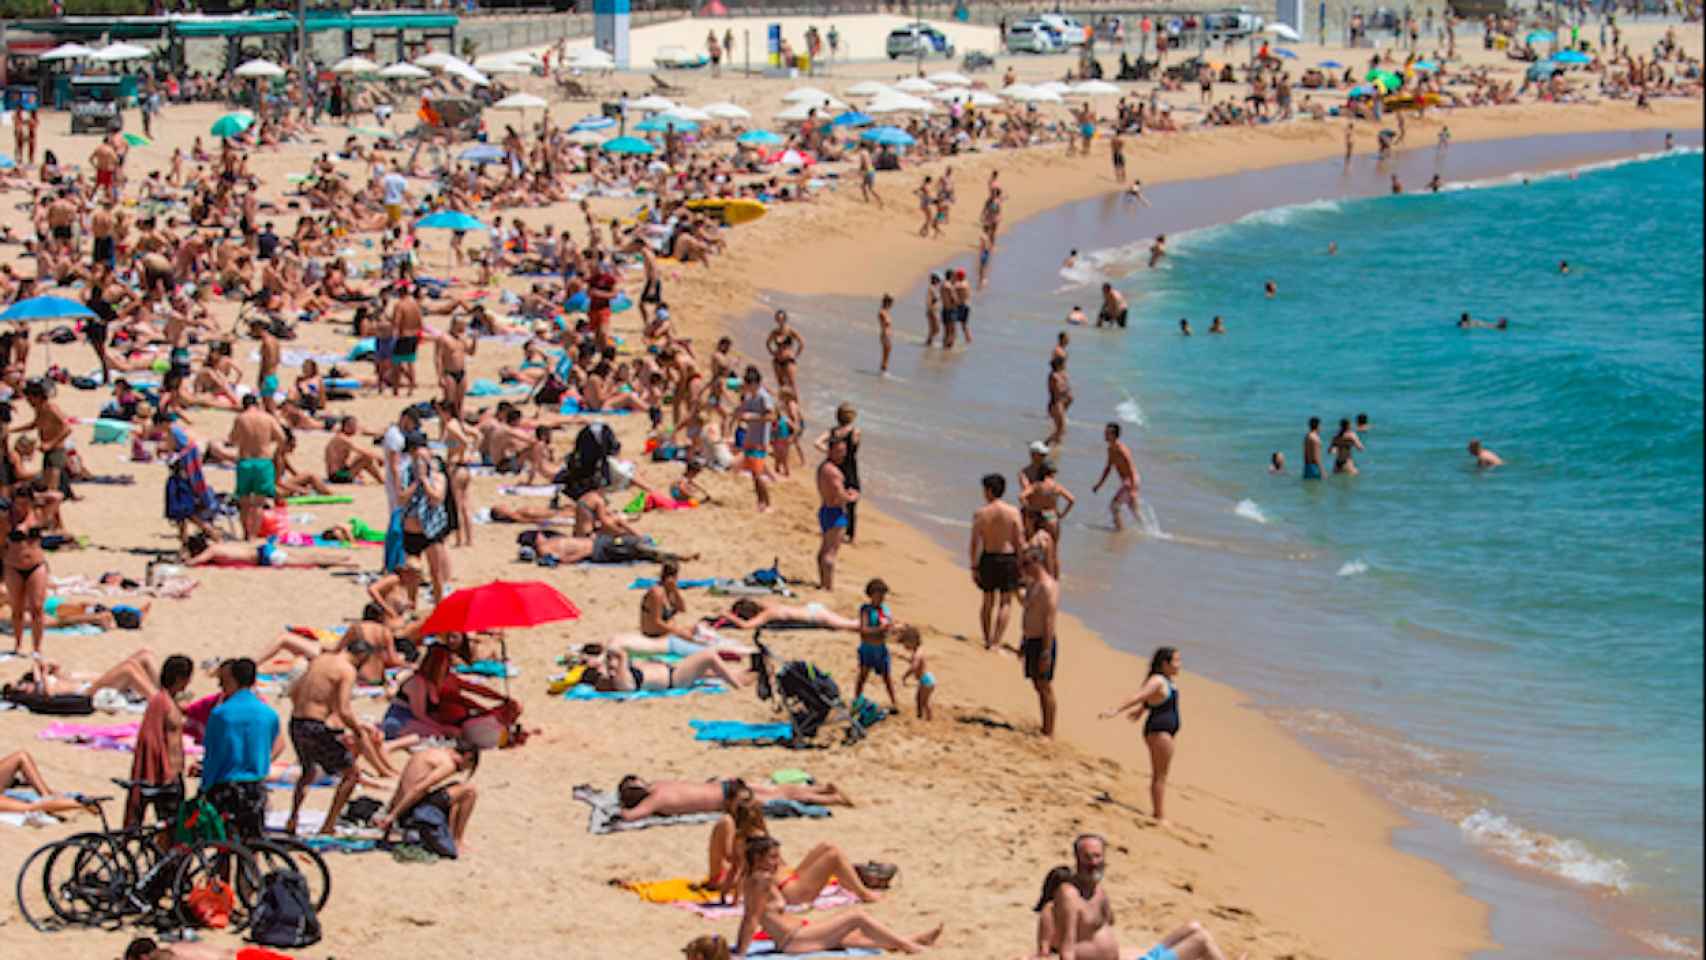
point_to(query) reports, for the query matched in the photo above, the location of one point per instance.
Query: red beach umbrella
(497, 605)
(792, 158)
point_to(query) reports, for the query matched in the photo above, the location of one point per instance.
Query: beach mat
(739, 732)
(832, 897)
(646, 583)
(606, 816)
(319, 499)
(581, 691)
(765, 948)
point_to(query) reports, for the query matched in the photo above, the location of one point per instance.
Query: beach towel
(764, 948)
(534, 490)
(606, 815)
(489, 668)
(316, 499)
(482, 387)
(582, 691)
(359, 529)
(34, 818)
(831, 898)
(119, 737)
(341, 844)
(646, 583)
(76, 630)
(689, 894)
(650, 501)
(736, 731)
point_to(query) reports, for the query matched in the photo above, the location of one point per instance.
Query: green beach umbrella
(1386, 79)
(137, 140)
(233, 124)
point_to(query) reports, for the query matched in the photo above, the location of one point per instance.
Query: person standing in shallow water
(1159, 697)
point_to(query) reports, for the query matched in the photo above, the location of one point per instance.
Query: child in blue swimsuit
(909, 638)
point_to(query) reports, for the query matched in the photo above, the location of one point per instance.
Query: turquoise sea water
(1514, 656)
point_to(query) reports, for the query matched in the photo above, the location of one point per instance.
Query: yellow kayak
(730, 212)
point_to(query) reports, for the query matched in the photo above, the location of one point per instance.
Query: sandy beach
(1274, 850)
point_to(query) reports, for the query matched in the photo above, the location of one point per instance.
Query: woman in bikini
(622, 674)
(750, 614)
(743, 824)
(1160, 697)
(19, 770)
(134, 674)
(26, 562)
(786, 346)
(766, 902)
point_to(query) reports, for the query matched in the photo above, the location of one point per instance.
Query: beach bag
(211, 902)
(58, 705)
(587, 467)
(433, 827)
(198, 821)
(285, 916)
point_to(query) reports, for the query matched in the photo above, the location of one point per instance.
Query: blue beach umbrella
(663, 124)
(760, 138)
(888, 137)
(7, 163)
(1332, 65)
(483, 153)
(852, 118)
(46, 308)
(1572, 57)
(1284, 53)
(449, 220)
(592, 123)
(1363, 90)
(1538, 36)
(1425, 66)
(629, 145)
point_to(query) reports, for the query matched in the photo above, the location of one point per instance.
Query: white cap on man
(1039, 448)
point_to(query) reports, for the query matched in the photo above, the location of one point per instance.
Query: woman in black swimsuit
(26, 563)
(785, 346)
(1160, 697)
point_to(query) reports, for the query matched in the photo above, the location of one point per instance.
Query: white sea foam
(1150, 523)
(1097, 266)
(948, 521)
(1279, 216)
(1130, 411)
(1527, 176)
(1564, 858)
(1353, 568)
(1667, 944)
(1250, 511)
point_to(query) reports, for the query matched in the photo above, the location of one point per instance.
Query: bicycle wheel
(221, 869)
(284, 852)
(85, 878)
(34, 903)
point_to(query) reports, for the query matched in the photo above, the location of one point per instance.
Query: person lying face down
(641, 798)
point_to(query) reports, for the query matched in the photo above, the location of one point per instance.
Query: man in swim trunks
(997, 536)
(670, 798)
(600, 294)
(1120, 460)
(105, 161)
(1312, 450)
(1039, 649)
(347, 463)
(266, 375)
(1114, 309)
(322, 693)
(1078, 916)
(422, 782)
(757, 417)
(406, 320)
(835, 495)
(256, 435)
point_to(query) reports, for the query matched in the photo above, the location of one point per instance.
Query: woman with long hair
(1159, 696)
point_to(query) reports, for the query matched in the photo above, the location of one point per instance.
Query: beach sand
(1275, 851)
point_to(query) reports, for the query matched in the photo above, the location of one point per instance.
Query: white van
(1029, 38)
(1070, 30)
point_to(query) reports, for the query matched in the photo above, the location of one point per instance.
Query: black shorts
(105, 251)
(415, 544)
(96, 332)
(1039, 662)
(318, 747)
(653, 293)
(998, 573)
(244, 805)
(60, 233)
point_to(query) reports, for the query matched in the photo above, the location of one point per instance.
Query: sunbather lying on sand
(637, 645)
(598, 549)
(19, 770)
(260, 553)
(667, 798)
(70, 613)
(620, 674)
(750, 614)
(144, 948)
(766, 905)
(134, 674)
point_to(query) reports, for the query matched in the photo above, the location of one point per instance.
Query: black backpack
(285, 916)
(587, 467)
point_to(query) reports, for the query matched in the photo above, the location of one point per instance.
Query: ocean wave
(1279, 216)
(1150, 523)
(1130, 411)
(1099, 266)
(1563, 858)
(1521, 177)
(1248, 509)
(1353, 568)
(1667, 944)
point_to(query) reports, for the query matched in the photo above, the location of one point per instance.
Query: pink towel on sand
(831, 898)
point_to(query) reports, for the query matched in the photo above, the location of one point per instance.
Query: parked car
(1222, 26)
(1070, 31)
(1029, 38)
(919, 40)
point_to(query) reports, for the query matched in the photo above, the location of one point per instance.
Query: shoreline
(1422, 835)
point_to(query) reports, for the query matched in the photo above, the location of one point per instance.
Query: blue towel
(736, 731)
(765, 948)
(646, 583)
(572, 406)
(340, 844)
(363, 348)
(581, 691)
(342, 383)
(488, 668)
(395, 555)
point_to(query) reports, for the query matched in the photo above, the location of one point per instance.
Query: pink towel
(831, 898)
(116, 736)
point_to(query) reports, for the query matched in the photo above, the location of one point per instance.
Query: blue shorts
(829, 518)
(1311, 471)
(875, 658)
(1160, 952)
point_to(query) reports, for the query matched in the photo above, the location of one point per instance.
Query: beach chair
(573, 89)
(660, 85)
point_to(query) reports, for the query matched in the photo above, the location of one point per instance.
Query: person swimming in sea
(1484, 458)
(1184, 327)
(1217, 325)
(1312, 450)
(1270, 289)
(1466, 322)
(1344, 446)
(1276, 462)
(1077, 317)
(1563, 266)
(1157, 250)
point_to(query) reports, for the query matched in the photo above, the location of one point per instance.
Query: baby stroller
(808, 695)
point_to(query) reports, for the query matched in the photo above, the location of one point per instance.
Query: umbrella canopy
(404, 71)
(591, 58)
(629, 145)
(791, 158)
(761, 138)
(504, 66)
(1028, 94)
(449, 220)
(1095, 88)
(1332, 65)
(652, 104)
(1357, 92)
(915, 85)
(260, 68)
(438, 60)
(491, 62)
(723, 110)
(67, 51)
(1385, 79)
(888, 137)
(868, 88)
(520, 101)
(114, 52)
(233, 124)
(1573, 57)
(899, 103)
(374, 132)
(852, 118)
(1284, 32)
(1538, 36)
(355, 65)
(660, 124)
(592, 123)
(467, 73)
(798, 112)
(499, 605)
(46, 308)
(1425, 66)
(805, 95)
(586, 138)
(687, 113)
(484, 153)
(983, 98)
(137, 140)
(948, 78)
(1283, 53)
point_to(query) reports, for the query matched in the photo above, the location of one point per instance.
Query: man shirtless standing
(1059, 397)
(1119, 458)
(1040, 647)
(105, 161)
(1312, 450)
(319, 695)
(406, 323)
(451, 351)
(61, 218)
(52, 432)
(1114, 310)
(266, 376)
(832, 489)
(997, 535)
(256, 435)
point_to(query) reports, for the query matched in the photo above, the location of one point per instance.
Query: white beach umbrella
(504, 67)
(868, 88)
(1283, 31)
(983, 98)
(823, 102)
(404, 71)
(355, 65)
(438, 60)
(67, 51)
(948, 78)
(521, 101)
(952, 95)
(468, 73)
(591, 58)
(1094, 88)
(805, 95)
(652, 104)
(693, 114)
(588, 138)
(491, 60)
(801, 111)
(1055, 87)
(899, 103)
(726, 111)
(114, 52)
(260, 68)
(915, 85)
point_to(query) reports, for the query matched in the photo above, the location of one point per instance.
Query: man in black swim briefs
(997, 536)
(1038, 650)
